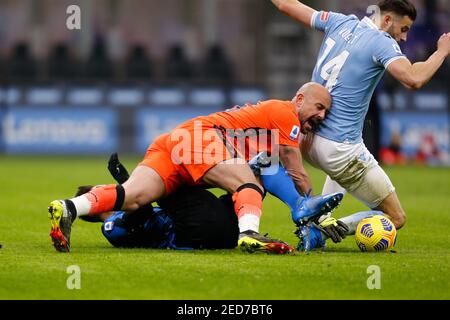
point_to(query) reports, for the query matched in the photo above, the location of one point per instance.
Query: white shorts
(350, 166)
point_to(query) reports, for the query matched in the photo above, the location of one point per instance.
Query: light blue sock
(353, 220)
(280, 184)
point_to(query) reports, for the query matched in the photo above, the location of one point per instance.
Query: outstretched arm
(296, 10)
(415, 76)
(291, 159)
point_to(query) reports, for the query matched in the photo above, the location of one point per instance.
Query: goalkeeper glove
(117, 169)
(334, 229)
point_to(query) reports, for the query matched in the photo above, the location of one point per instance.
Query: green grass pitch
(32, 269)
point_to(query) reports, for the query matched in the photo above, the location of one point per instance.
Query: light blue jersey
(352, 60)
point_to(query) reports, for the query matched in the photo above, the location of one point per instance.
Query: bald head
(312, 101)
(316, 90)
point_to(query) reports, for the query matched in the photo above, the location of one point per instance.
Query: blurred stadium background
(138, 67)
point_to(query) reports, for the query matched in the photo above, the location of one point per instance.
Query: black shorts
(201, 220)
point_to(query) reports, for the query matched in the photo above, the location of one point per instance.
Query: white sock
(353, 220)
(82, 205)
(249, 222)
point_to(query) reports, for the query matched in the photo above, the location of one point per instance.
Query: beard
(391, 32)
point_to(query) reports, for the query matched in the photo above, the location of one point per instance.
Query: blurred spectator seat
(178, 67)
(441, 77)
(60, 65)
(2, 71)
(139, 65)
(21, 65)
(99, 65)
(216, 66)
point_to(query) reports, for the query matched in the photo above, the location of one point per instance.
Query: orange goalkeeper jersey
(270, 115)
(197, 154)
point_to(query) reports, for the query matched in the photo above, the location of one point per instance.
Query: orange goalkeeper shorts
(186, 154)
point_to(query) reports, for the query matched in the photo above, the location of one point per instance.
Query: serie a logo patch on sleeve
(294, 133)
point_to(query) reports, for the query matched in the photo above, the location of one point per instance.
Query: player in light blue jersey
(353, 58)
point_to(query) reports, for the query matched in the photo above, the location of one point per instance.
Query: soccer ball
(376, 233)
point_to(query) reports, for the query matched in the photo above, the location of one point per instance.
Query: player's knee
(143, 187)
(398, 219)
(393, 210)
(134, 200)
